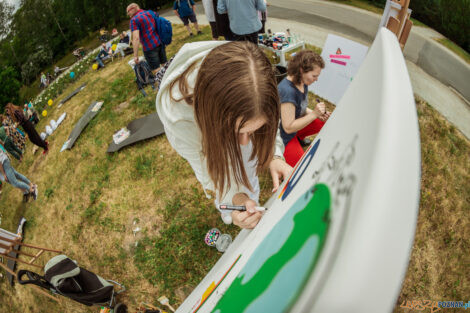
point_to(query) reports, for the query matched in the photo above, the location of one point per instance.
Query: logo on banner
(299, 171)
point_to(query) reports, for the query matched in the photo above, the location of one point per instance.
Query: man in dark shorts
(144, 30)
(184, 9)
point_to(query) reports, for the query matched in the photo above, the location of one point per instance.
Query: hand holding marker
(240, 207)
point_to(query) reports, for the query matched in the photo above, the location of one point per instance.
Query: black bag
(144, 76)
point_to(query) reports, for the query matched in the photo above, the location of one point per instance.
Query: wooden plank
(393, 25)
(405, 33)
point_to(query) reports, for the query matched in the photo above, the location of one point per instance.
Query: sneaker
(199, 32)
(26, 197)
(305, 142)
(191, 34)
(35, 192)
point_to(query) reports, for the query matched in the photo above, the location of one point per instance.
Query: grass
(438, 269)
(91, 204)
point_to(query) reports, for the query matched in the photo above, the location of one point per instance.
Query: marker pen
(239, 207)
(318, 101)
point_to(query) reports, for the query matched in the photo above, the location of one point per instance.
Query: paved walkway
(310, 20)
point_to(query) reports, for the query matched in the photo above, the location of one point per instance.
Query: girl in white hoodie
(220, 108)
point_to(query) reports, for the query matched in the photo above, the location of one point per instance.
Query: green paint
(310, 222)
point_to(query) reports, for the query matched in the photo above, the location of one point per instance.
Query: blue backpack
(164, 29)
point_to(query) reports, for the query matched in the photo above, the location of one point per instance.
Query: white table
(282, 53)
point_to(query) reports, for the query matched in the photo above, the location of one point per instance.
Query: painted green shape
(275, 274)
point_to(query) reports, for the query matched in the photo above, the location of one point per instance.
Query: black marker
(239, 207)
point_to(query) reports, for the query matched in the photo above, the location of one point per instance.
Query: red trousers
(293, 151)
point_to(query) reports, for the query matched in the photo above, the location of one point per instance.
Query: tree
(9, 86)
(5, 16)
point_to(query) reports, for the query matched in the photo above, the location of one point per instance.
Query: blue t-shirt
(183, 7)
(289, 93)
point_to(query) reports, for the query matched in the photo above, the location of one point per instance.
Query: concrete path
(313, 20)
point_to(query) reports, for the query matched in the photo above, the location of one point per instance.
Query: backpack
(164, 29)
(144, 76)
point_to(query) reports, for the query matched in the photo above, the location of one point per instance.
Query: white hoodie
(180, 125)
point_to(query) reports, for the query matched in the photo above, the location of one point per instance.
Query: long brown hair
(303, 61)
(235, 82)
(10, 109)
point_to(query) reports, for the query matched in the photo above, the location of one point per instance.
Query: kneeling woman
(298, 121)
(16, 114)
(220, 108)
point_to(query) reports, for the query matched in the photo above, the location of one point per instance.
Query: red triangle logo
(339, 51)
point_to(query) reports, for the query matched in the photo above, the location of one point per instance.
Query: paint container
(215, 238)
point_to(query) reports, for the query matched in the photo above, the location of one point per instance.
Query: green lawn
(91, 202)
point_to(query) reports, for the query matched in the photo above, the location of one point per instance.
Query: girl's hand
(249, 218)
(320, 109)
(279, 169)
(325, 116)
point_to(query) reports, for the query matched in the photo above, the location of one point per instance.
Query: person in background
(185, 10)
(263, 17)
(16, 114)
(34, 113)
(12, 132)
(104, 52)
(123, 44)
(228, 135)
(9, 145)
(210, 15)
(10, 175)
(43, 81)
(243, 16)
(222, 23)
(144, 30)
(297, 120)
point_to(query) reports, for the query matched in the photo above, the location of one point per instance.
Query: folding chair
(9, 240)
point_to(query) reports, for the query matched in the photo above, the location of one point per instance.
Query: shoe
(305, 142)
(26, 197)
(191, 34)
(35, 192)
(199, 32)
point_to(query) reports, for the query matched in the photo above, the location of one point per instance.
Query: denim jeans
(100, 55)
(14, 178)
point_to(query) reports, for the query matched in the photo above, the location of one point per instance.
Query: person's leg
(153, 58)
(13, 180)
(215, 35)
(193, 20)
(311, 129)
(185, 20)
(33, 135)
(293, 151)
(100, 63)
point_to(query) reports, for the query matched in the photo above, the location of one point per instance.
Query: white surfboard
(337, 237)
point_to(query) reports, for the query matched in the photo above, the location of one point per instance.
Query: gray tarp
(71, 95)
(82, 123)
(140, 129)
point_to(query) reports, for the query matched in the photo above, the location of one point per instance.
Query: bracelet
(278, 157)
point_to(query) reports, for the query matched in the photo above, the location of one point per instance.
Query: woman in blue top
(297, 120)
